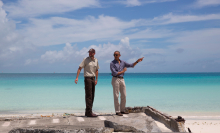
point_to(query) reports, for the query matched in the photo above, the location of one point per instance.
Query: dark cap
(92, 50)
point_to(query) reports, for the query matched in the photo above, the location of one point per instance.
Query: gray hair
(117, 51)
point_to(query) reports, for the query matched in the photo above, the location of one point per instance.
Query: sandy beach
(203, 126)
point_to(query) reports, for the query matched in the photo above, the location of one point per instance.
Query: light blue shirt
(115, 67)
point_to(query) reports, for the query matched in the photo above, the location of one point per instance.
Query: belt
(90, 77)
(118, 77)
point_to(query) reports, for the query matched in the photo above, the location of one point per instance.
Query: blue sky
(38, 36)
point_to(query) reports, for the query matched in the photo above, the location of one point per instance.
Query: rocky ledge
(86, 130)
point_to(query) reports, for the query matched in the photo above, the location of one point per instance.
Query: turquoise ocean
(189, 94)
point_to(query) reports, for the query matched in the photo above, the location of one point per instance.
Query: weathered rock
(135, 109)
(121, 128)
(168, 121)
(135, 124)
(86, 130)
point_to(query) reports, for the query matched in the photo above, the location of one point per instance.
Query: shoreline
(60, 113)
(186, 115)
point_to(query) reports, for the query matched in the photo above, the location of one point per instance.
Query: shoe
(91, 115)
(124, 112)
(87, 114)
(119, 114)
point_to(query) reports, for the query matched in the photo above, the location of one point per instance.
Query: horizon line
(99, 72)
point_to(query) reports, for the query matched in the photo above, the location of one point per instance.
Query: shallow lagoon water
(191, 94)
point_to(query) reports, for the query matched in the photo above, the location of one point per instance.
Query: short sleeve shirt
(90, 66)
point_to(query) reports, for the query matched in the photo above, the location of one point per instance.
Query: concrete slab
(32, 122)
(1, 123)
(102, 118)
(140, 120)
(21, 123)
(56, 121)
(14, 124)
(125, 115)
(72, 120)
(6, 124)
(92, 121)
(80, 119)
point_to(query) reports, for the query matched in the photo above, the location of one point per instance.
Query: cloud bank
(31, 44)
(131, 3)
(205, 3)
(33, 8)
(70, 53)
(58, 30)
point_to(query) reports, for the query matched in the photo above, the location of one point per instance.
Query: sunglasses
(116, 54)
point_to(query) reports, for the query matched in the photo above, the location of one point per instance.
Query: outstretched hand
(140, 59)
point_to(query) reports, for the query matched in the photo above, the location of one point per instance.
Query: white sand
(203, 126)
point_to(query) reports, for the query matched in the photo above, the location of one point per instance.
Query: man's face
(91, 54)
(117, 55)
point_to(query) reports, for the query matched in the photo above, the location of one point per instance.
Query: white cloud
(125, 41)
(70, 53)
(171, 19)
(187, 46)
(57, 30)
(203, 42)
(191, 50)
(12, 44)
(131, 3)
(67, 54)
(2, 13)
(32, 8)
(156, 1)
(203, 3)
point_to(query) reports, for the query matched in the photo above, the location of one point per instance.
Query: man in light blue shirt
(118, 68)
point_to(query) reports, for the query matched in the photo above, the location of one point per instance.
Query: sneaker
(119, 114)
(124, 112)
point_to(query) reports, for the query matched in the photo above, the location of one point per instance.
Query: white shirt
(90, 66)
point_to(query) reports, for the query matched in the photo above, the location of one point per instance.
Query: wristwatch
(136, 61)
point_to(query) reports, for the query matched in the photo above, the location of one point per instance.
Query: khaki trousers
(119, 85)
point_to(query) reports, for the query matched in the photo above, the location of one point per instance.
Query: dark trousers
(90, 93)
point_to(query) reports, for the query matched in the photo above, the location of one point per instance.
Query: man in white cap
(118, 68)
(91, 66)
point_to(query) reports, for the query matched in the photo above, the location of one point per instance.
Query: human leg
(115, 85)
(123, 95)
(88, 95)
